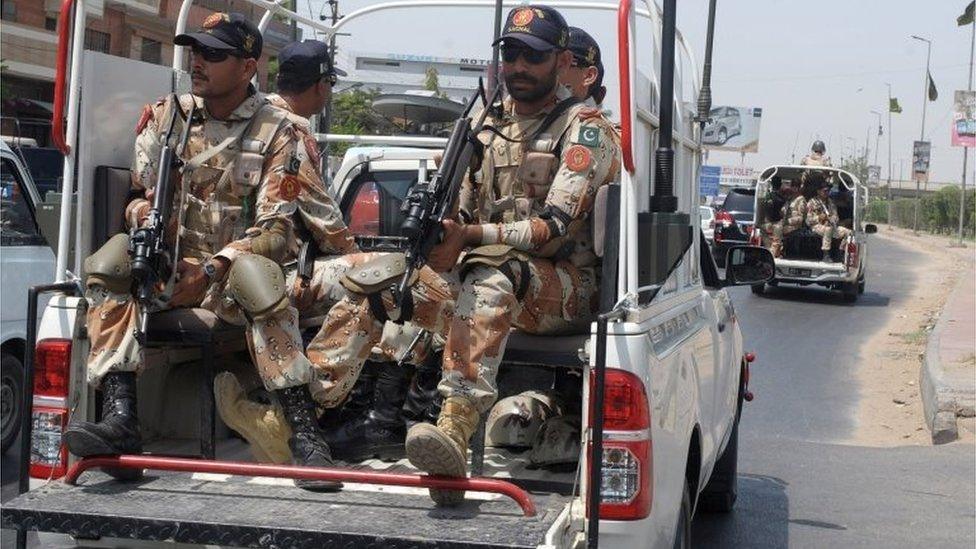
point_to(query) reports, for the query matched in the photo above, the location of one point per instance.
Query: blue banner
(708, 178)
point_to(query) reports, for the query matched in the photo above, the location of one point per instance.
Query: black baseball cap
(539, 27)
(586, 51)
(305, 62)
(226, 31)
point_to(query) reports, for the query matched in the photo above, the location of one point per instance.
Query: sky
(817, 69)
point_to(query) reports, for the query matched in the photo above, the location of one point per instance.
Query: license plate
(798, 272)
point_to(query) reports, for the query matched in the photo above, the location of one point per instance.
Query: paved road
(797, 486)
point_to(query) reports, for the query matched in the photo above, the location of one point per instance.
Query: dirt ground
(891, 359)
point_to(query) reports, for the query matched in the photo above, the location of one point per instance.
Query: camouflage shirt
(537, 196)
(815, 159)
(817, 207)
(259, 185)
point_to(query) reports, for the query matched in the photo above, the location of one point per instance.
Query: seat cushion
(190, 326)
(557, 350)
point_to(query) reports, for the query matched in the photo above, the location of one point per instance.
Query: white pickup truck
(662, 374)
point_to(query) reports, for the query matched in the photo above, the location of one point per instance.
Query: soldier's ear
(564, 60)
(250, 67)
(590, 76)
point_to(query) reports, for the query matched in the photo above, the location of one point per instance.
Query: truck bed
(268, 512)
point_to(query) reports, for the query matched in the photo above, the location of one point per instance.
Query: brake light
(725, 218)
(49, 414)
(627, 479)
(852, 253)
(364, 215)
(755, 237)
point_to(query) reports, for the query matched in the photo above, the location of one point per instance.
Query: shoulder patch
(293, 164)
(289, 188)
(144, 118)
(311, 147)
(578, 158)
(588, 135)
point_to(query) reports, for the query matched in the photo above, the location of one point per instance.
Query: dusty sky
(816, 68)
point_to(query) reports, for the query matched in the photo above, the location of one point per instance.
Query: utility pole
(890, 137)
(965, 150)
(325, 121)
(925, 103)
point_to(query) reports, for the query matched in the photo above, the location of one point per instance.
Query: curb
(942, 402)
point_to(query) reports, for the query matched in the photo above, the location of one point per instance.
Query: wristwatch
(210, 269)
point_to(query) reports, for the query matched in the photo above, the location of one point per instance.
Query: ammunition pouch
(111, 266)
(371, 278)
(504, 258)
(257, 284)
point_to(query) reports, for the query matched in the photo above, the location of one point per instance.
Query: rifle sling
(551, 117)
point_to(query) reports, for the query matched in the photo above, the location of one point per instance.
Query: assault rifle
(147, 244)
(431, 202)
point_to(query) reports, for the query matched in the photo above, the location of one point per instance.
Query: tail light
(725, 218)
(627, 479)
(852, 253)
(755, 237)
(49, 414)
(364, 215)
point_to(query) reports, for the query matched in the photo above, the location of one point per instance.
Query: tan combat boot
(262, 426)
(443, 450)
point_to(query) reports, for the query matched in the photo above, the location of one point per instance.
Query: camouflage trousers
(829, 232)
(474, 313)
(775, 231)
(274, 341)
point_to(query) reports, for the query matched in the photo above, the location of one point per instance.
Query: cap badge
(523, 17)
(214, 19)
(591, 55)
(248, 42)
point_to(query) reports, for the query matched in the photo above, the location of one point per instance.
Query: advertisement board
(874, 175)
(708, 180)
(921, 155)
(964, 119)
(732, 129)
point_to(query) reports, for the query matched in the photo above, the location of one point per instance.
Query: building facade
(399, 73)
(137, 29)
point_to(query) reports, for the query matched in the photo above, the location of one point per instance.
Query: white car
(707, 222)
(26, 261)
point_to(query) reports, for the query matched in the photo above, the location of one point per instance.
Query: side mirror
(870, 228)
(748, 265)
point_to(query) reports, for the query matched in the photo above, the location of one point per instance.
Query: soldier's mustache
(520, 77)
(199, 76)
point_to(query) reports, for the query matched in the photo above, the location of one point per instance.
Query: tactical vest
(228, 180)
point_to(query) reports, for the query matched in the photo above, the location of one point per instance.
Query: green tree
(857, 166)
(352, 113)
(432, 82)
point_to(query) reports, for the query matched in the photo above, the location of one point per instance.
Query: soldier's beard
(540, 90)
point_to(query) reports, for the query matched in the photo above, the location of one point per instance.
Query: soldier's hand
(191, 284)
(453, 241)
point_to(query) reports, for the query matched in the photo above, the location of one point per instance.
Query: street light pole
(965, 150)
(925, 102)
(890, 137)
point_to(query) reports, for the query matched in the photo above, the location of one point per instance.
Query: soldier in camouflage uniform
(250, 181)
(584, 78)
(775, 204)
(817, 157)
(822, 217)
(526, 216)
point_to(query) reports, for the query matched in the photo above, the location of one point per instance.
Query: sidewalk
(948, 376)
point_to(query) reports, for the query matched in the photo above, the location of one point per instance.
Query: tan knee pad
(110, 265)
(257, 284)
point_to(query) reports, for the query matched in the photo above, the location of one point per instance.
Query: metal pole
(921, 137)
(325, 121)
(890, 138)
(965, 150)
(495, 70)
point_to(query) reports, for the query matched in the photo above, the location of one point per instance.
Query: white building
(399, 73)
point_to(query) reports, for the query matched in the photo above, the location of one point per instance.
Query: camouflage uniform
(534, 202)
(815, 159)
(261, 186)
(796, 214)
(817, 207)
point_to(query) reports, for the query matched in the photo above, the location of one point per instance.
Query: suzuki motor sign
(732, 129)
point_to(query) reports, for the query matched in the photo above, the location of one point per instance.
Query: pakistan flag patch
(589, 136)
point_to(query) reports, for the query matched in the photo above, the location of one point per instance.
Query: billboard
(921, 155)
(964, 119)
(732, 129)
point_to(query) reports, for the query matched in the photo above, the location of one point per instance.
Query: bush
(938, 212)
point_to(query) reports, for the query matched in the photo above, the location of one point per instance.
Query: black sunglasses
(531, 56)
(213, 55)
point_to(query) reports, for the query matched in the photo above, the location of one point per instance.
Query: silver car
(723, 124)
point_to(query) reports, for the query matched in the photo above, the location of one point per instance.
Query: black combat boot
(423, 402)
(382, 433)
(117, 432)
(827, 258)
(308, 447)
(356, 408)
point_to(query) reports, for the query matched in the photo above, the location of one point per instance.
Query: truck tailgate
(264, 512)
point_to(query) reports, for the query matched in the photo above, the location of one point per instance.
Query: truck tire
(11, 397)
(722, 489)
(860, 284)
(758, 289)
(850, 291)
(682, 532)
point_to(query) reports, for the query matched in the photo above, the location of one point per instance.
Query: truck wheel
(860, 284)
(11, 397)
(682, 532)
(758, 289)
(722, 489)
(850, 291)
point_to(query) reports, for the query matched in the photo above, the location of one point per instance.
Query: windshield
(741, 204)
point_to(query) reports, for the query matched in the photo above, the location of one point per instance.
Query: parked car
(723, 123)
(26, 261)
(707, 222)
(734, 221)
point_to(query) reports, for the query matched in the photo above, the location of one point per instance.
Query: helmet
(818, 147)
(514, 421)
(557, 442)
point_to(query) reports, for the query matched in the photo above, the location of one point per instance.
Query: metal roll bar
(240, 468)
